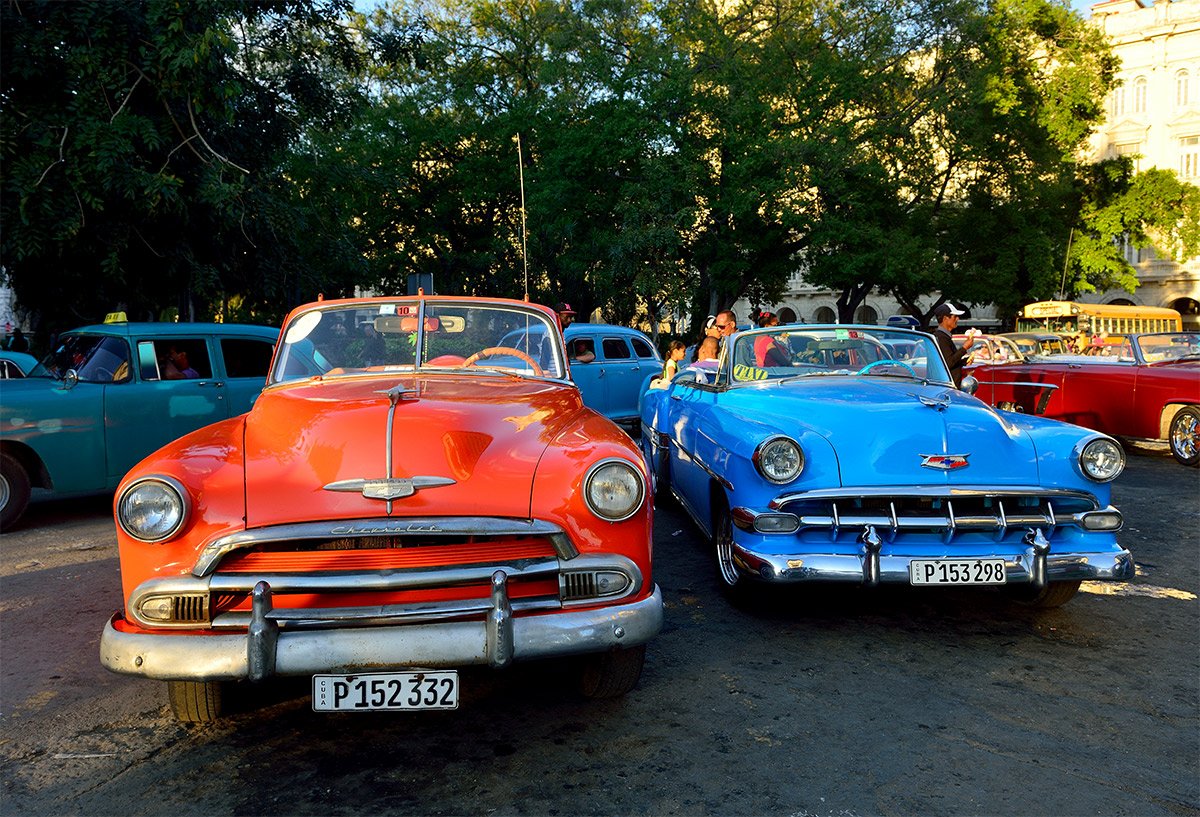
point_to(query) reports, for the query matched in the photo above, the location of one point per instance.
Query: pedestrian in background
(566, 315)
(947, 315)
(675, 352)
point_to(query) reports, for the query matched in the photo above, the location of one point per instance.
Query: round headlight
(614, 490)
(779, 459)
(152, 509)
(1102, 459)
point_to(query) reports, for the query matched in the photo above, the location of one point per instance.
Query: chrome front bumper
(266, 650)
(869, 567)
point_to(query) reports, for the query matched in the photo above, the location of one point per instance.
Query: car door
(688, 404)
(588, 374)
(245, 363)
(621, 371)
(151, 409)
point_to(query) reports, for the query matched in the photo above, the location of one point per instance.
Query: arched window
(866, 314)
(824, 315)
(1118, 102)
(1181, 89)
(1139, 95)
(787, 315)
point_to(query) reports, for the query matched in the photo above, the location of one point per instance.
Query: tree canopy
(233, 158)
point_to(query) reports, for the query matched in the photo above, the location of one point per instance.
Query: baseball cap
(564, 308)
(947, 308)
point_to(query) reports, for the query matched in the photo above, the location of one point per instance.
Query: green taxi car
(116, 392)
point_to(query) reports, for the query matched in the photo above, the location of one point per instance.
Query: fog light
(776, 523)
(1102, 520)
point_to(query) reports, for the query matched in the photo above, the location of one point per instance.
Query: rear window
(174, 359)
(616, 349)
(246, 358)
(642, 348)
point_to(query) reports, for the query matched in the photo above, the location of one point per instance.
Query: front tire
(1054, 594)
(733, 584)
(1184, 436)
(14, 490)
(196, 701)
(611, 674)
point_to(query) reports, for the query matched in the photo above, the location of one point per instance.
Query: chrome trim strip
(216, 550)
(928, 492)
(703, 466)
(183, 656)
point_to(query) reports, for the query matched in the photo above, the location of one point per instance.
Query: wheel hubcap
(728, 570)
(1183, 435)
(3, 493)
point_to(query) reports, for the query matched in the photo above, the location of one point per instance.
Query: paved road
(816, 703)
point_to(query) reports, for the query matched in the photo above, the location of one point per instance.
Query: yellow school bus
(1116, 320)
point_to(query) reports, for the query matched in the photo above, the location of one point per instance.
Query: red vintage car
(1153, 392)
(405, 498)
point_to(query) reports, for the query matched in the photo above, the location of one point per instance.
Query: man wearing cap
(566, 315)
(947, 319)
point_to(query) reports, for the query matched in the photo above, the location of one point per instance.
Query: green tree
(144, 145)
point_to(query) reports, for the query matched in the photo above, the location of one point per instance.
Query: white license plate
(956, 571)
(385, 690)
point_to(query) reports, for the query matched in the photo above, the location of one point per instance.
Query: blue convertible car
(816, 453)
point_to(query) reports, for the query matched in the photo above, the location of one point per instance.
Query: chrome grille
(578, 586)
(190, 609)
(951, 513)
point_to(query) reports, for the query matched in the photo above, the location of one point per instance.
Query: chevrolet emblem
(388, 488)
(944, 462)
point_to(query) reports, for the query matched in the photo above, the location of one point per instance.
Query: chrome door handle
(210, 383)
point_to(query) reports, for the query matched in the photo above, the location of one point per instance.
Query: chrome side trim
(216, 550)
(704, 466)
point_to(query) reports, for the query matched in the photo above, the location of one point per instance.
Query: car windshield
(406, 334)
(1169, 346)
(95, 358)
(785, 352)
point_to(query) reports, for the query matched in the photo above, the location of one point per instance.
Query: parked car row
(1151, 393)
(427, 483)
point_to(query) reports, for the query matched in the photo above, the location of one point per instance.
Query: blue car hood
(883, 430)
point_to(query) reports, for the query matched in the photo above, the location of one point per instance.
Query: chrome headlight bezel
(1087, 453)
(592, 482)
(175, 494)
(764, 458)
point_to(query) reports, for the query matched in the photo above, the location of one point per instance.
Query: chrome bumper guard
(267, 649)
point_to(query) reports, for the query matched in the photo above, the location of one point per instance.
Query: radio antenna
(524, 246)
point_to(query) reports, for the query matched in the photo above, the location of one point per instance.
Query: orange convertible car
(405, 498)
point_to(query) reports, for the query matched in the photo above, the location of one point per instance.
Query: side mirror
(969, 384)
(70, 379)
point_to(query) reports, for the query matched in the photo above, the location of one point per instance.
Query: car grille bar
(391, 530)
(950, 513)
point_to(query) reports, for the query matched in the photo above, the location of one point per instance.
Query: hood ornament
(944, 462)
(941, 402)
(390, 487)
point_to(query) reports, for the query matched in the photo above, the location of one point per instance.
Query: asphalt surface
(810, 702)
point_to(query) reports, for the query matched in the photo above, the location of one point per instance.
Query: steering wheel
(887, 362)
(500, 351)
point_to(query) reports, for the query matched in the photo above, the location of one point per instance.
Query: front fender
(558, 492)
(210, 465)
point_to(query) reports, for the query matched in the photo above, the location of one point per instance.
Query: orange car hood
(486, 433)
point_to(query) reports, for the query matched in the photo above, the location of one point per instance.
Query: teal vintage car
(116, 392)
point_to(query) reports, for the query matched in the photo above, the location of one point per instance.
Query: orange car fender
(558, 492)
(209, 465)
